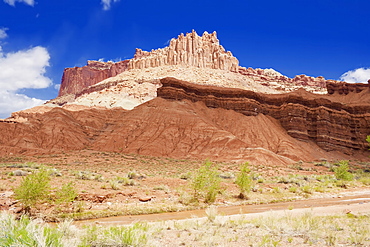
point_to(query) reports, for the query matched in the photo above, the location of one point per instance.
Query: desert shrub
(211, 213)
(86, 175)
(135, 175)
(185, 176)
(134, 235)
(307, 189)
(206, 182)
(114, 184)
(66, 194)
(126, 236)
(244, 180)
(365, 180)
(293, 189)
(341, 172)
(34, 189)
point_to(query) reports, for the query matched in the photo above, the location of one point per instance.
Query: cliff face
(76, 79)
(332, 124)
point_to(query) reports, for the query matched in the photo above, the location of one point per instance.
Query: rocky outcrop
(191, 50)
(333, 125)
(275, 80)
(76, 79)
(346, 88)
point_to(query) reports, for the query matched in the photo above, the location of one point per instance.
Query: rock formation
(275, 80)
(187, 50)
(190, 50)
(335, 124)
(76, 79)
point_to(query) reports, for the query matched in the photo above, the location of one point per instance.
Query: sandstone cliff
(190, 51)
(76, 79)
(335, 124)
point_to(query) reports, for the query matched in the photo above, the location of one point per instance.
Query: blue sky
(39, 38)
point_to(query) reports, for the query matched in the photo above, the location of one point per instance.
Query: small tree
(34, 189)
(244, 180)
(341, 172)
(66, 194)
(206, 182)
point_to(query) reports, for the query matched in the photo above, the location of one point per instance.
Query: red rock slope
(198, 122)
(339, 121)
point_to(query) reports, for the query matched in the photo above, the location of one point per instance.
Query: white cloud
(107, 3)
(12, 2)
(12, 102)
(358, 75)
(3, 33)
(24, 69)
(20, 70)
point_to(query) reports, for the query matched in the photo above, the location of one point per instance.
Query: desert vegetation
(270, 230)
(92, 185)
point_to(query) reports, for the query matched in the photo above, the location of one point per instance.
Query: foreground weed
(206, 183)
(134, 235)
(272, 230)
(66, 194)
(25, 232)
(34, 189)
(244, 180)
(211, 213)
(341, 172)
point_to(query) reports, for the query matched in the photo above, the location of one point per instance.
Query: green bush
(206, 182)
(34, 189)
(244, 180)
(341, 172)
(66, 194)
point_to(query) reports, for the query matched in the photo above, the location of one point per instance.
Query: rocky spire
(188, 50)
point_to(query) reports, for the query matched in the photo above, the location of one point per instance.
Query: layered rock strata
(333, 125)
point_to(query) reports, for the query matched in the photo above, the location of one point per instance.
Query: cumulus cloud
(358, 75)
(21, 70)
(12, 2)
(12, 102)
(106, 3)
